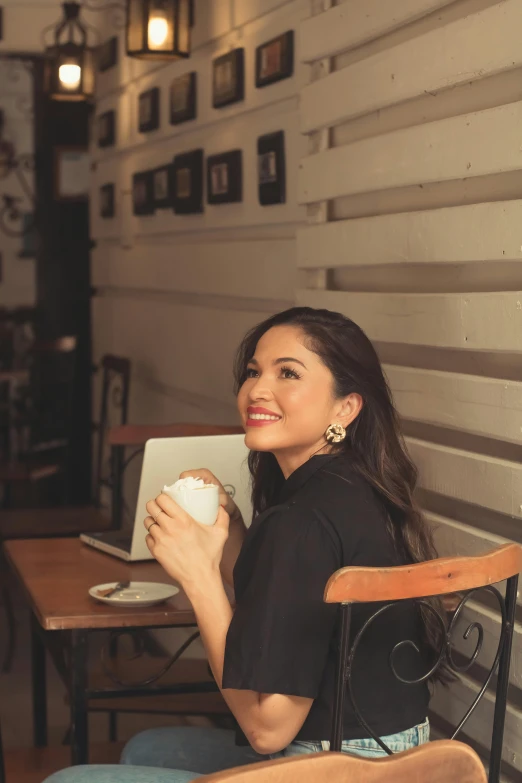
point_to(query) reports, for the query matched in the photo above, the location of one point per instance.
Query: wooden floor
(26, 765)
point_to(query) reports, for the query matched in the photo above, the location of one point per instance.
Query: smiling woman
(332, 486)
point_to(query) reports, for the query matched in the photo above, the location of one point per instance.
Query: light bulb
(158, 30)
(70, 76)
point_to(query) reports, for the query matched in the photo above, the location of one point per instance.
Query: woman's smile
(261, 417)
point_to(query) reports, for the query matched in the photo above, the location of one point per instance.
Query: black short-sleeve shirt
(283, 638)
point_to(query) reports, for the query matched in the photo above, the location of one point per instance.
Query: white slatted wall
(177, 293)
(413, 188)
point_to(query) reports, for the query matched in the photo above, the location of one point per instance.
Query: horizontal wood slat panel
(439, 151)
(443, 58)
(456, 538)
(353, 23)
(260, 269)
(452, 703)
(456, 235)
(484, 481)
(482, 321)
(483, 406)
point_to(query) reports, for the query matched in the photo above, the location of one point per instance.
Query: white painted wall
(177, 293)
(413, 118)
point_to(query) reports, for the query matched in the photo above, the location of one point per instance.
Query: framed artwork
(228, 78)
(161, 189)
(106, 129)
(107, 54)
(187, 182)
(71, 173)
(225, 178)
(271, 172)
(142, 193)
(148, 110)
(28, 249)
(107, 200)
(183, 98)
(275, 59)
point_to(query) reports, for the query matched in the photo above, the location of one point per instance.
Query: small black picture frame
(275, 59)
(161, 187)
(107, 200)
(106, 128)
(182, 96)
(225, 177)
(107, 54)
(228, 78)
(148, 110)
(187, 182)
(271, 169)
(142, 193)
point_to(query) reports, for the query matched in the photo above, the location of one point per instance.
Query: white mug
(202, 503)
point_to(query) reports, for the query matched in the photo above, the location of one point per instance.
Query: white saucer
(136, 594)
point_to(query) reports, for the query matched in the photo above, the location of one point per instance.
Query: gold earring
(335, 433)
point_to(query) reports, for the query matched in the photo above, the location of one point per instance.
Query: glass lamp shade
(70, 72)
(158, 29)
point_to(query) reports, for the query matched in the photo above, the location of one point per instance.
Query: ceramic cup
(201, 503)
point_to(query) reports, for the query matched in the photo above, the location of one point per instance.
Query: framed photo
(228, 78)
(29, 238)
(148, 110)
(187, 182)
(72, 167)
(107, 54)
(161, 190)
(275, 59)
(183, 98)
(225, 178)
(106, 129)
(271, 171)
(142, 193)
(107, 200)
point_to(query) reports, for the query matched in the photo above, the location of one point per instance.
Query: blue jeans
(183, 754)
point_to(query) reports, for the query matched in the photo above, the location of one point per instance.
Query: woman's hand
(188, 551)
(224, 498)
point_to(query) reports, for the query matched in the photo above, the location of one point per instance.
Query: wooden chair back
(448, 575)
(444, 761)
(114, 408)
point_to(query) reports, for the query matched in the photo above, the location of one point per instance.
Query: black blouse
(283, 638)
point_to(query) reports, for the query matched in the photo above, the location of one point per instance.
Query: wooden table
(55, 575)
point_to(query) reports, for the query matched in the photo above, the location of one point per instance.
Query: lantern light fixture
(159, 29)
(70, 61)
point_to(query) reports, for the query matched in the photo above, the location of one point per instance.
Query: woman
(332, 486)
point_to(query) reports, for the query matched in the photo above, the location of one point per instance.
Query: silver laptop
(163, 461)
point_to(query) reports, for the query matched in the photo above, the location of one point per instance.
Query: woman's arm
(236, 536)
(269, 721)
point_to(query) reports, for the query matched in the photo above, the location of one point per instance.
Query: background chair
(434, 578)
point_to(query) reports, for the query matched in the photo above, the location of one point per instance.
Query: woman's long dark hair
(373, 440)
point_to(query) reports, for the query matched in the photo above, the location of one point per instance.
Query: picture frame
(161, 187)
(106, 129)
(225, 177)
(28, 236)
(148, 110)
(107, 54)
(275, 59)
(187, 182)
(182, 98)
(271, 169)
(106, 200)
(228, 78)
(142, 193)
(72, 165)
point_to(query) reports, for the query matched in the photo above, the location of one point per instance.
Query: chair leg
(11, 627)
(113, 726)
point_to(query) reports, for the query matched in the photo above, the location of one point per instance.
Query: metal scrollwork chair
(443, 576)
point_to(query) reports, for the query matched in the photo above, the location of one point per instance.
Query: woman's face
(287, 401)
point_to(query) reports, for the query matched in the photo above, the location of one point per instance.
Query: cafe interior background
(163, 191)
